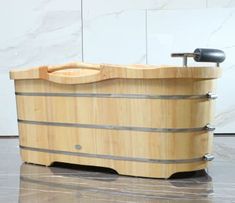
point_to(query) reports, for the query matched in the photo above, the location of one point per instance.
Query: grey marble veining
(35, 33)
(20, 182)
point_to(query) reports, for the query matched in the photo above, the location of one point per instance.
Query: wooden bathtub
(139, 120)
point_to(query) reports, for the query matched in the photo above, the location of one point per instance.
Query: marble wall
(36, 32)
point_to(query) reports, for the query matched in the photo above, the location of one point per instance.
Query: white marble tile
(192, 4)
(183, 4)
(188, 4)
(183, 31)
(224, 149)
(113, 32)
(225, 104)
(35, 32)
(221, 3)
(100, 8)
(8, 120)
(41, 34)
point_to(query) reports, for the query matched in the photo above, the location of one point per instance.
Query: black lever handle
(209, 55)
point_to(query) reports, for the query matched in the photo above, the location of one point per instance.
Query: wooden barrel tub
(139, 120)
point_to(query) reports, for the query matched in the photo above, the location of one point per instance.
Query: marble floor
(21, 182)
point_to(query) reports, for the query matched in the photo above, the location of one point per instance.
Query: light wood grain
(117, 111)
(96, 73)
(149, 145)
(149, 113)
(122, 167)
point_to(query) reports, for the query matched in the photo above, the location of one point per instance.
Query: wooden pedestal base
(153, 170)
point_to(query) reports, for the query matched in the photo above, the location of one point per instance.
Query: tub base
(132, 168)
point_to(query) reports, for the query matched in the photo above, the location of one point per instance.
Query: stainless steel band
(112, 157)
(115, 127)
(209, 95)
